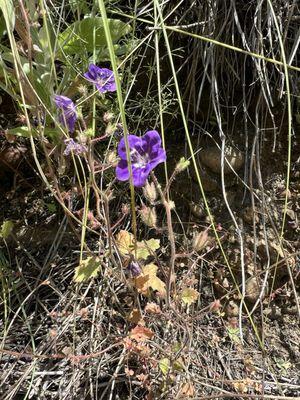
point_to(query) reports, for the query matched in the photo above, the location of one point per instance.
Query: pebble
(211, 158)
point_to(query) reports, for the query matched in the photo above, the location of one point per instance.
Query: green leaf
(79, 6)
(125, 243)
(23, 131)
(164, 365)
(2, 26)
(234, 334)
(87, 269)
(8, 10)
(51, 207)
(178, 365)
(6, 229)
(282, 364)
(147, 248)
(80, 36)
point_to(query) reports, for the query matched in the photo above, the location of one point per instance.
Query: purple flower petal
(68, 115)
(152, 138)
(122, 171)
(77, 148)
(92, 73)
(134, 268)
(134, 142)
(102, 78)
(62, 101)
(140, 176)
(159, 158)
(145, 154)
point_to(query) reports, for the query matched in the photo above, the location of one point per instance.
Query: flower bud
(83, 90)
(110, 129)
(134, 269)
(200, 241)
(108, 117)
(150, 192)
(112, 158)
(125, 209)
(148, 216)
(171, 204)
(89, 132)
(182, 165)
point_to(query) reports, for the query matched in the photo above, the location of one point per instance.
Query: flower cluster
(72, 146)
(102, 78)
(145, 154)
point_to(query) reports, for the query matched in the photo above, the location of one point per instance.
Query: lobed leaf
(164, 366)
(87, 269)
(125, 243)
(141, 333)
(148, 280)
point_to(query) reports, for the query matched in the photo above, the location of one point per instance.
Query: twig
(171, 237)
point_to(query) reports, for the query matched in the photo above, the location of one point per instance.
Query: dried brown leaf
(141, 333)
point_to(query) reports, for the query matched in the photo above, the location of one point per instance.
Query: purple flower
(77, 148)
(145, 154)
(68, 115)
(103, 78)
(134, 269)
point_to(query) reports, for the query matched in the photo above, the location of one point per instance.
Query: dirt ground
(63, 341)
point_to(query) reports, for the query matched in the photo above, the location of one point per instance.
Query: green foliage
(87, 269)
(88, 34)
(23, 131)
(6, 229)
(164, 366)
(40, 75)
(234, 334)
(147, 248)
(79, 6)
(126, 246)
(8, 11)
(51, 207)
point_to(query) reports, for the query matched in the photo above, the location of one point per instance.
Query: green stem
(122, 110)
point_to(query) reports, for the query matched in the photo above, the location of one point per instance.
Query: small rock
(11, 155)
(273, 312)
(250, 216)
(252, 289)
(197, 209)
(211, 157)
(232, 309)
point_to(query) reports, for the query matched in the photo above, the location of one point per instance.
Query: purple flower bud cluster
(72, 146)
